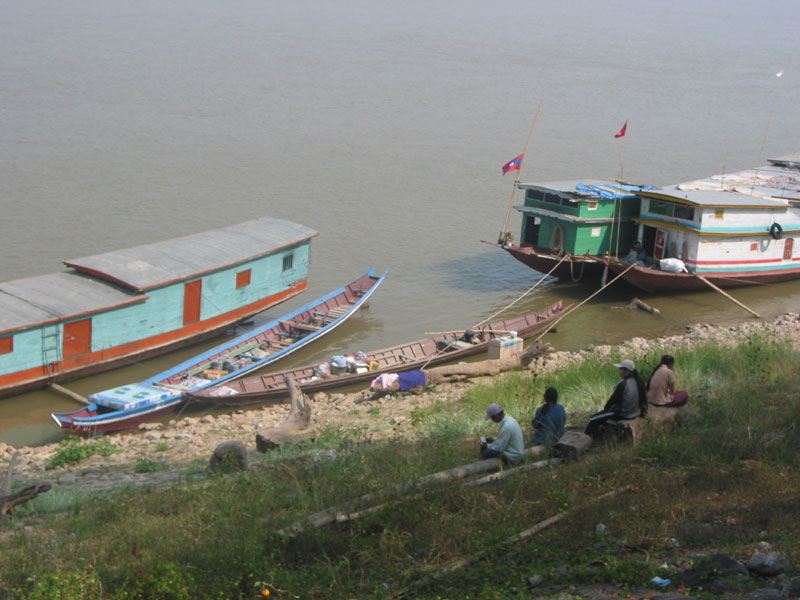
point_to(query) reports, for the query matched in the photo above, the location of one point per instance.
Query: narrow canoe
(440, 348)
(129, 405)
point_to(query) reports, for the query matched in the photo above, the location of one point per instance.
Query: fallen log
(490, 366)
(9, 501)
(481, 555)
(295, 427)
(345, 510)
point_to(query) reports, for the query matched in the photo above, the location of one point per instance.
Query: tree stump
(228, 457)
(659, 419)
(296, 425)
(572, 445)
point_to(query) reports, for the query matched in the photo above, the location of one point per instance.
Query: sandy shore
(185, 445)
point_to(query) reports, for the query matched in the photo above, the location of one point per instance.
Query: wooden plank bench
(301, 326)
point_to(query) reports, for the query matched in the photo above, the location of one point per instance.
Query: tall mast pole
(501, 238)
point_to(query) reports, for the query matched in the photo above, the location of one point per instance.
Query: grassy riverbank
(727, 479)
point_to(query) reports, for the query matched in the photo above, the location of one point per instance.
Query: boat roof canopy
(582, 190)
(154, 265)
(56, 296)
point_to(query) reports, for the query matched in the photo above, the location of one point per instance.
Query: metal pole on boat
(728, 296)
(501, 239)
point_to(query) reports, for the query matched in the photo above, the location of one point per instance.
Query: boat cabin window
(243, 279)
(672, 209)
(551, 198)
(288, 260)
(592, 205)
(7, 345)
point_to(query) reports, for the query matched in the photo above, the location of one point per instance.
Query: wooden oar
(728, 296)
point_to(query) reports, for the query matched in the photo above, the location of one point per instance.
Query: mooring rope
(525, 293)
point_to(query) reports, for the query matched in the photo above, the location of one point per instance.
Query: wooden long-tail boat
(129, 405)
(439, 348)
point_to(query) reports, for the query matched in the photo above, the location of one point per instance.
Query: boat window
(288, 260)
(672, 209)
(552, 198)
(684, 212)
(592, 205)
(719, 213)
(243, 279)
(662, 207)
(596, 231)
(7, 345)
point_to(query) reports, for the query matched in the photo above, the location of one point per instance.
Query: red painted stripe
(94, 360)
(734, 262)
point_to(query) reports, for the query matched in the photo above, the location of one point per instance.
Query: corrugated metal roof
(152, 265)
(36, 300)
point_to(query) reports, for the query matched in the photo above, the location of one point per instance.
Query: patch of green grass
(73, 450)
(735, 458)
(144, 465)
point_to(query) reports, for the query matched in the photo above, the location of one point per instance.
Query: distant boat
(108, 309)
(570, 226)
(444, 347)
(732, 230)
(129, 405)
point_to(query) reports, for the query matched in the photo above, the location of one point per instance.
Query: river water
(382, 125)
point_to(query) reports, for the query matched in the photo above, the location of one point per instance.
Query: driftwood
(296, 425)
(348, 510)
(9, 501)
(661, 419)
(487, 367)
(638, 303)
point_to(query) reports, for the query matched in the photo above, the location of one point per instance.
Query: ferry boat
(732, 230)
(108, 309)
(568, 227)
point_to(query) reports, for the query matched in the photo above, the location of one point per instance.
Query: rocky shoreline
(184, 445)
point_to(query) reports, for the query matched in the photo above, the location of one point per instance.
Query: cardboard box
(504, 347)
(214, 373)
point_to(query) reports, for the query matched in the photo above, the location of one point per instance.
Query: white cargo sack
(672, 265)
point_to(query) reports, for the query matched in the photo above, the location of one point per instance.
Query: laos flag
(513, 165)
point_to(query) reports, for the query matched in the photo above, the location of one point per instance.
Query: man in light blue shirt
(510, 444)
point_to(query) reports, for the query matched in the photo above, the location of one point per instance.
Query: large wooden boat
(108, 309)
(127, 406)
(568, 225)
(440, 348)
(733, 230)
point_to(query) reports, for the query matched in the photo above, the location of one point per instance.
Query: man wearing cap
(509, 445)
(628, 401)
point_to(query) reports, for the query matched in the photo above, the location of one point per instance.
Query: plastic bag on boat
(672, 265)
(322, 370)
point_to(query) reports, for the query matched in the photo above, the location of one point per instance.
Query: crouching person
(509, 444)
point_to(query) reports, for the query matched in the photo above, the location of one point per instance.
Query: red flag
(513, 164)
(621, 132)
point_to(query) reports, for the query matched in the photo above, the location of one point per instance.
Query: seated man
(637, 255)
(509, 445)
